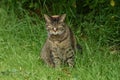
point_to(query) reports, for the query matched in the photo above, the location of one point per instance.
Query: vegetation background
(96, 24)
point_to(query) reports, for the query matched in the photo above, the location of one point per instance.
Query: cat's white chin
(56, 33)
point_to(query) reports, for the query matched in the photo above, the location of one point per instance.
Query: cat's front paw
(71, 63)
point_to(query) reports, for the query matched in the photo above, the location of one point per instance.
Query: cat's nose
(55, 29)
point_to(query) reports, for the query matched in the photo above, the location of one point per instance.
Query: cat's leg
(56, 59)
(49, 62)
(70, 62)
(57, 62)
(70, 57)
(46, 56)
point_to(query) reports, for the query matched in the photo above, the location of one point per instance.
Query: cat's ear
(47, 18)
(62, 18)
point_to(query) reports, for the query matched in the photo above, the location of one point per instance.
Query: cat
(60, 46)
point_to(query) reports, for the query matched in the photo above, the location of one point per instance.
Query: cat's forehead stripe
(55, 16)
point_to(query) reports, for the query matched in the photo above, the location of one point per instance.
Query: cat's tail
(79, 48)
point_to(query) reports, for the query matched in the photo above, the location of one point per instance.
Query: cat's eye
(62, 28)
(62, 24)
(49, 27)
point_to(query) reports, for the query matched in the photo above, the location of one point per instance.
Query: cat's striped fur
(60, 45)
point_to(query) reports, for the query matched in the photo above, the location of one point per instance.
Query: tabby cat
(60, 45)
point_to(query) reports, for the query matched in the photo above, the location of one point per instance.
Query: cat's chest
(60, 46)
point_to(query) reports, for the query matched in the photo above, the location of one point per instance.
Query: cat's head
(55, 24)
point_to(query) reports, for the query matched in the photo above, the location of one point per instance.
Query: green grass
(21, 41)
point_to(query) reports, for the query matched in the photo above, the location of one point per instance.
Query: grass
(21, 41)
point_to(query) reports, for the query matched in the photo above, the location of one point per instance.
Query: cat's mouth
(57, 32)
